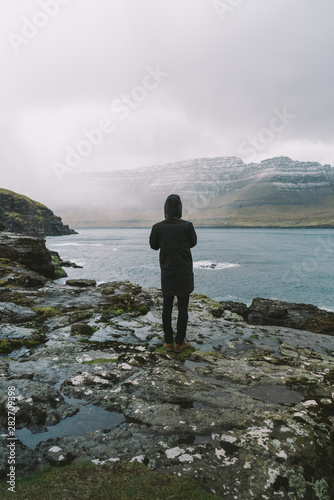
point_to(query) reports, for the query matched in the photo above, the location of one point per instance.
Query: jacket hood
(173, 207)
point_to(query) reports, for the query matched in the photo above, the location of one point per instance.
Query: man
(175, 237)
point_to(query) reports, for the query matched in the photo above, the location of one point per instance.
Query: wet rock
(300, 316)
(15, 274)
(14, 337)
(81, 283)
(13, 313)
(36, 405)
(124, 297)
(235, 307)
(232, 316)
(121, 287)
(82, 329)
(28, 251)
(25, 456)
(61, 262)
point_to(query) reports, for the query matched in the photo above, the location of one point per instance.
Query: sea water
(294, 265)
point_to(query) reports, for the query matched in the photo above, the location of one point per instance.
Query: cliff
(22, 215)
(220, 191)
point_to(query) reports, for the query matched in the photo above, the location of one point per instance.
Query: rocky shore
(247, 411)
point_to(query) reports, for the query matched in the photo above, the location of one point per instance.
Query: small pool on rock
(88, 418)
(275, 394)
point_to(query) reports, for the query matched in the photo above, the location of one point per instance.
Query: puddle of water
(230, 448)
(191, 365)
(88, 418)
(275, 394)
(187, 405)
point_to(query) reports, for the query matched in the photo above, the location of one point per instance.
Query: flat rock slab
(14, 313)
(81, 283)
(12, 332)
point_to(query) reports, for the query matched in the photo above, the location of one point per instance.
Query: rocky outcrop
(22, 215)
(236, 307)
(301, 316)
(21, 254)
(278, 313)
(247, 411)
(222, 191)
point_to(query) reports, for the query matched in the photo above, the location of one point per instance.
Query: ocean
(294, 265)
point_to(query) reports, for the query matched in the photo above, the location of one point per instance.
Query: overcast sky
(134, 83)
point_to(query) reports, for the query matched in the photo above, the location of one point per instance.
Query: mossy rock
(21, 299)
(7, 346)
(46, 312)
(82, 329)
(61, 273)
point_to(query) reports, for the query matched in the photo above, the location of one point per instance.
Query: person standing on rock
(175, 237)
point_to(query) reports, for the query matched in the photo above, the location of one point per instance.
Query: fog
(100, 86)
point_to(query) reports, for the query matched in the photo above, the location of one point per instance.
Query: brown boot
(169, 347)
(182, 347)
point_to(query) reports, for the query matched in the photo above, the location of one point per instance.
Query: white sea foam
(76, 244)
(209, 264)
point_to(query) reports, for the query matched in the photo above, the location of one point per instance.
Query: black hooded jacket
(174, 237)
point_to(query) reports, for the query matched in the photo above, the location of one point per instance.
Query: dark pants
(182, 319)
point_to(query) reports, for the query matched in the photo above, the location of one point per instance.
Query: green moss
(142, 310)
(56, 262)
(110, 312)
(329, 377)
(21, 299)
(100, 360)
(5, 347)
(105, 482)
(46, 312)
(18, 196)
(118, 312)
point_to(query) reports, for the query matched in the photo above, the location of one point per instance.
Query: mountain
(22, 215)
(221, 191)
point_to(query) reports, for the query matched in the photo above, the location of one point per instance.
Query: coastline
(89, 373)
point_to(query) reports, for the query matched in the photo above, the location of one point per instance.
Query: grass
(105, 482)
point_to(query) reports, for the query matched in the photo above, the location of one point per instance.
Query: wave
(325, 308)
(76, 244)
(209, 264)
